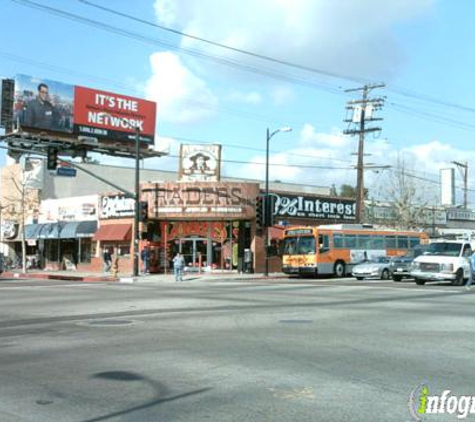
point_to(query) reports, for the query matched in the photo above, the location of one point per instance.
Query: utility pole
(463, 168)
(362, 112)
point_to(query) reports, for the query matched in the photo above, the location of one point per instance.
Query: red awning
(110, 232)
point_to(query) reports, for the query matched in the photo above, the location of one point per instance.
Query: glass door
(191, 249)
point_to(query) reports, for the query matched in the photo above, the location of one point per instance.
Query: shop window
(123, 250)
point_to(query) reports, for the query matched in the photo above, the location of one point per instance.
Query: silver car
(374, 268)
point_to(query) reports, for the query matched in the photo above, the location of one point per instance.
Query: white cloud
(339, 36)
(181, 96)
(245, 97)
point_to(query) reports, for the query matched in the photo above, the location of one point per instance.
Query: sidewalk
(143, 278)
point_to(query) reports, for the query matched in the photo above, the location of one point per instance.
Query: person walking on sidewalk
(107, 257)
(145, 255)
(178, 265)
(468, 286)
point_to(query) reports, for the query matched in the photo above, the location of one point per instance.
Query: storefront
(211, 224)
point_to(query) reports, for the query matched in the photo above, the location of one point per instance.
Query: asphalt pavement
(230, 350)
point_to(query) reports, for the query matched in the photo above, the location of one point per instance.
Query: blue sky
(421, 47)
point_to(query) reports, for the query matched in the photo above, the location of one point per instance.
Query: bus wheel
(339, 269)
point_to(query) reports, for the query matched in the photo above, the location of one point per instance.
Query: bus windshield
(299, 245)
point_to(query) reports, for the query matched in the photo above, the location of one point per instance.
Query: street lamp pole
(266, 198)
(137, 204)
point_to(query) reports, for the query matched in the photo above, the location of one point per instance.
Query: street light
(266, 229)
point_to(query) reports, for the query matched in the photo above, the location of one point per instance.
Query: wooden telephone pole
(362, 112)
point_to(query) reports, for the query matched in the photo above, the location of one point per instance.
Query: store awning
(86, 229)
(68, 230)
(112, 232)
(49, 231)
(31, 231)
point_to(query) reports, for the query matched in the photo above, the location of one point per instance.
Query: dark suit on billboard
(41, 114)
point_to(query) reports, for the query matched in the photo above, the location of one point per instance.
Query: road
(279, 350)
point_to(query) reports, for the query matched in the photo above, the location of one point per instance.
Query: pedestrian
(468, 286)
(178, 265)
(107, 260)
(145, 256)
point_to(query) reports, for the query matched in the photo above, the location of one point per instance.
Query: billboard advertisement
(52, 106)
(447, 186)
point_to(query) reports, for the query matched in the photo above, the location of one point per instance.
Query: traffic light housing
(143, 211)
(259, 214)
(269, 206)
(52, 158)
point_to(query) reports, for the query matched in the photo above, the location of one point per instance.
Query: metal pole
(266, 198)
(137, 205)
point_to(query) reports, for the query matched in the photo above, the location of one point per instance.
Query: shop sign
(462, 215)
(9, 230)
(80, 208)
(117, 206)
(200, 163)
(314, 207)
(195, 200)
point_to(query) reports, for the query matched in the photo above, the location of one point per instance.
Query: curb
(41, 276)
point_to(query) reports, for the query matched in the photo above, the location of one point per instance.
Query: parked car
(374, 268)
(400, 266)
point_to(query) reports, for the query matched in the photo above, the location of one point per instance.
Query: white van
(444, 260)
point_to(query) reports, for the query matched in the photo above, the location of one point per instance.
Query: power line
(395, 89)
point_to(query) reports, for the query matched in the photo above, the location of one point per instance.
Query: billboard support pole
(137, 204)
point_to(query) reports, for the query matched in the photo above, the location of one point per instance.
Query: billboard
(52, 106)
(447, 186)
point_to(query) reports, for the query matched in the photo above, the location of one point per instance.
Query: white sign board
(447, 186)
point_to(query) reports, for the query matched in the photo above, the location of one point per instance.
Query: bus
(335, 249)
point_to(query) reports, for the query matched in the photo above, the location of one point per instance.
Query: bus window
(290, 246)
(350, 241)
(337, 241)
(414, 241)
(391, 242)
(403, 242)
(377, 242)
(323, 244)
(307, 245)
(364, 241)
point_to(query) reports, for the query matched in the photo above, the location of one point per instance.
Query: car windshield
(444, 249)
(379, 260)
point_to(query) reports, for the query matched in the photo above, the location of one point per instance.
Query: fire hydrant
(115, 267)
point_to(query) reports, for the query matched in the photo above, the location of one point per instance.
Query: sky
(422, 50)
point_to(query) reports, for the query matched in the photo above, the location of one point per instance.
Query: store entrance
(194, 250)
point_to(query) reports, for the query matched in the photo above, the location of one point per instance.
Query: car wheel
(420, 282)
(458, 278)
(397, 278)
(339, 269)
(359, 278)
(385, 274)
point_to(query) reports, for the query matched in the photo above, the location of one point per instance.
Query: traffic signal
(143, 211)
(269, 211)
(52, 158)
(259, 214)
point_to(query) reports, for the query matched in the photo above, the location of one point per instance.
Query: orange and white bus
(335, 249)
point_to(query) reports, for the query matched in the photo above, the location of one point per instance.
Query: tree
(21, 200)
(407, 196)
(347, 191)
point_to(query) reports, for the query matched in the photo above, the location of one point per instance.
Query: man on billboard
(41, 113)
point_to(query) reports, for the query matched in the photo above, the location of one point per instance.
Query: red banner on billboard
(105, 114)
